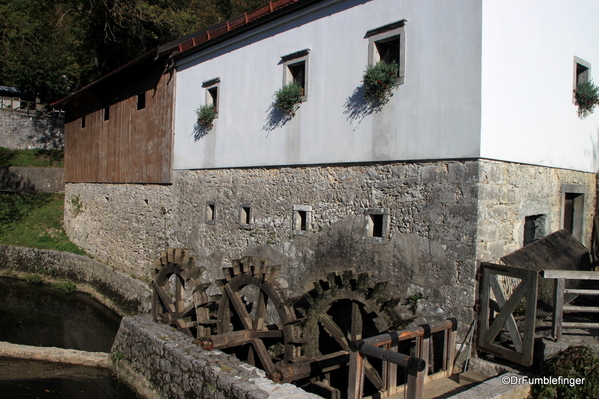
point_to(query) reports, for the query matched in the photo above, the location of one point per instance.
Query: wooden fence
(491, 322)
(15, 104)
(560, 277)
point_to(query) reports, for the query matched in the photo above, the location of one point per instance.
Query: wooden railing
(14, 104)
(559, 308)
(386, 346)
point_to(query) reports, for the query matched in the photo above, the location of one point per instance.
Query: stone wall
(19, 130)
(438, 219)
(41, 180)
(427, 248)
(114, 289)
(509, 192)
(160, 362)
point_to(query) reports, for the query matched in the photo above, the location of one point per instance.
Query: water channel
(41, 315)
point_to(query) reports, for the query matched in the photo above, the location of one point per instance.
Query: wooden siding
(133, 146)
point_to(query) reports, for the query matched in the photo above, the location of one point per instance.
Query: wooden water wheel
(345, 307)
(174, 272)
(253, 316)
(305, 340)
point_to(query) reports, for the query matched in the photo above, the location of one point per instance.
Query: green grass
(34, 220)
(35, 158)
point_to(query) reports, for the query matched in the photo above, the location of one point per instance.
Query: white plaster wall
(527, 81)
(434, 114)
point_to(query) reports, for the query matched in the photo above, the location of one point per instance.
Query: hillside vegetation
(33, 158)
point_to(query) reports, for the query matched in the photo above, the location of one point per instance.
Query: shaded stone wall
(439, 220)
(21, 131)
(43, 180)
(427, 248)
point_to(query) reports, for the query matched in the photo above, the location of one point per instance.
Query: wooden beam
(510, 322)
(571, 274)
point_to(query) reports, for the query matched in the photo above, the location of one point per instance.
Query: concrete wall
(22, 131)
(528, 111)
(45, 180)
(161, 362)
(434, 114)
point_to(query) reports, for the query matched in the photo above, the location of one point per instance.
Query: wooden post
(558, 308)
(423, 350)
(415, 383)
(391, 371)
(450, 355)
(356, 359)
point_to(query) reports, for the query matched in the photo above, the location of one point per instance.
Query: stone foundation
(422, 226)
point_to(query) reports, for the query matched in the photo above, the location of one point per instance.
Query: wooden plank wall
(133, 146)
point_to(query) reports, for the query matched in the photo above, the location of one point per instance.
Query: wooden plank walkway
(449, 386)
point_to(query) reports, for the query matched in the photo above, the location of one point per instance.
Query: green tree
(55, 47)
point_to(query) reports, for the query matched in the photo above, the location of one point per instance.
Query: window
(377, 224)
(387, 44)
(83, 122)
(245, 216)
(582, 72)
(573, 209)
(141, 101)
(212, 93)
(295, 70)
(534, 228)
(301, 219)
(210, 212)
(107, 113)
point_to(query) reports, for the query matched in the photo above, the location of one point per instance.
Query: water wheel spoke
(260, 311)
(164, 298)
(334, 330)
(188, 311)
(264, 357)
(239, 306)
(179, 294)
(250, 357)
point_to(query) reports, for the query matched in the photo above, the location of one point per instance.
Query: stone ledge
(161, 362)
(118, 291)
(496, 388)
(55, 355)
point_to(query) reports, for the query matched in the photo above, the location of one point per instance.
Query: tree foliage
(55, 47)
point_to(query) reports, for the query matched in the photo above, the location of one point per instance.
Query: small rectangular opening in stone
(534, 228)
(376, 225)
(245, 214)
(210, 212)
(301, 220)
